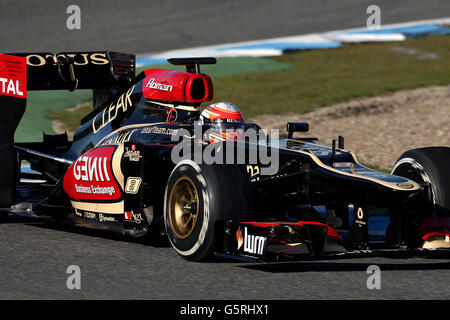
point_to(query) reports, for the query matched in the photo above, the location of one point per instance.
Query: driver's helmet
(226, 121)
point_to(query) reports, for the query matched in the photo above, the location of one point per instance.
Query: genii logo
(91, 176)
(88, 168)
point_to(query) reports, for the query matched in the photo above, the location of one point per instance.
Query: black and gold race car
(136, 166)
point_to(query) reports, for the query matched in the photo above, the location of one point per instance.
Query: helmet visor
(228, 130)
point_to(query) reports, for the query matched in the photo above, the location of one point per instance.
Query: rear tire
(3, 216)
(8, 170)
(198, 200)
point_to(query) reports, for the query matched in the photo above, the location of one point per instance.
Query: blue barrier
(266, 47)
(411, 31)
(284, 46)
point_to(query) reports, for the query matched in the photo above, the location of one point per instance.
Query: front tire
(430, 166)
(198, 200)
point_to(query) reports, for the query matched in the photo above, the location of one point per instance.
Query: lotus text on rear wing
(38, 60)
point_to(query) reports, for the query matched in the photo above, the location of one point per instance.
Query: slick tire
(431, 166)
(198, 200)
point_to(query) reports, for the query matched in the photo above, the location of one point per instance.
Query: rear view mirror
(296, 127)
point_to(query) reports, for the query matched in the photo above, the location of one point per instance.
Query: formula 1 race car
(119, 171)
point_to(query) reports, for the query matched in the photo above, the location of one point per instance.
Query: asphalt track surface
(141, 26)
(34, 255)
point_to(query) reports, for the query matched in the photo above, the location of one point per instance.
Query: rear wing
(107, 73)
(79, 70)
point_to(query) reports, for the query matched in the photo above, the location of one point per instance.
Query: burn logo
(252, 244)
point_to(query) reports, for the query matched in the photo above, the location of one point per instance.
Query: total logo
(252, 244)
(90, 168)
(13, 76)
(10, 87)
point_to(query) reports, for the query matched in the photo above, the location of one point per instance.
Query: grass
(323, 77)
(231, 66)
(71, 117)
(42, 103)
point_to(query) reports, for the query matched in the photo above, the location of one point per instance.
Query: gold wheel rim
(183, 207)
